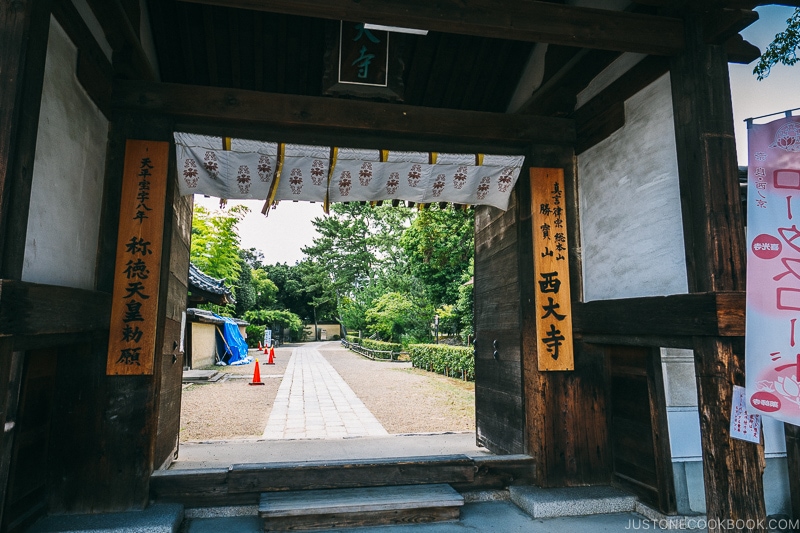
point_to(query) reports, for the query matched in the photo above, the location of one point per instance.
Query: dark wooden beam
(24, 30)
(705, 5)
(531, 21)
(558, 94)
(10, 378)
(94, 71)
(690, 315)
(741, 51)
(377, 123)
(605, 112)
(129, 58)
(723, 24)
(36, 309)
(715, 261)
(792, 437)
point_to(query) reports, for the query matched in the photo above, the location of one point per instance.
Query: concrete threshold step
(571, 501)
(202, 376)
(368, 506)
(158, 518)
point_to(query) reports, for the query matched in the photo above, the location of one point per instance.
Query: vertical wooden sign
(134, 308)
(551, 270)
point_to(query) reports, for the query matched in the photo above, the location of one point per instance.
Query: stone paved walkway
(314, 402)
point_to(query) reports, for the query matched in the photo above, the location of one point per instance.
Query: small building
(204, 340)
(325, 332)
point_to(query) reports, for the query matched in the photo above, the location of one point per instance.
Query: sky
(288, 228)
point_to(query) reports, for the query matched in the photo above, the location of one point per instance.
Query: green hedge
(395, 347)
(453, 361)
(353, 339)
(255, 334)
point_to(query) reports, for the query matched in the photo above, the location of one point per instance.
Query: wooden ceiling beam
(721, 25)
(531, 21)
(129, 58)
(704, 5)
(381, 125)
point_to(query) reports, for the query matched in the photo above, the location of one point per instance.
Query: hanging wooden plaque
(551, 270)
(362, 62)
(134, 309)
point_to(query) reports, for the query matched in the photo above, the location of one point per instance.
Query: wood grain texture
(382, 123)
(565, 412)
(24, 31)
(357, 500)
(552, 300)
(137, 297)
(129, 57)
(696, 314)
(37, 309)
(342, 474)
(715, 261)
(94, 70)
(529, 21)
(792, 437)
(499, 415)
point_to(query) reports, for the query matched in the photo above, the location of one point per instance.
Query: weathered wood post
(715, 261)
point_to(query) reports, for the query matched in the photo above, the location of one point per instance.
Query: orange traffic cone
(256, 376)
(266, 350)
(271, 356)
(271, 352)
(259, 346)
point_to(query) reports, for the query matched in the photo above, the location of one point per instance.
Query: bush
(353, 339)
(394, 347)
(452, 361)
(254, 334)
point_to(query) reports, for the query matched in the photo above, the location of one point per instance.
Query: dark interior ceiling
(255, 50)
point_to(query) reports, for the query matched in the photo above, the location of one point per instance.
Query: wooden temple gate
(79, 440)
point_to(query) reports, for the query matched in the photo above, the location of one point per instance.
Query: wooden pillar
(715, 261)
(565, 412)
(792, 436)
(24, 28)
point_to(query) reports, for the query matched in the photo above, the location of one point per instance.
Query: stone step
(368, 506)
(202, 376)
(158, 518)
(571, 501)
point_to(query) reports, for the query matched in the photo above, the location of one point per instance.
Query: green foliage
(255, 334)
(266, 292)
(243, 289)
(463, 309)
(285, 319)
(353, 339)
(382, 346)
(783, 49)
(453, 361)
(393, 314)
(215, 242)
(439, 245)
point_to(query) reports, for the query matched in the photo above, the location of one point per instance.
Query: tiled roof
(204, 282)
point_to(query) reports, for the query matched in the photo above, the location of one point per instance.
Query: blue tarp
(230, 342)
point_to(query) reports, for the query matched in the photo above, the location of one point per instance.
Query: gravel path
(403, 399)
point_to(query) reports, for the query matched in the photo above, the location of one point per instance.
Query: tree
(783, 49)
(439, 245)
(391, 315)
(266, 291)
(317, 285)
(215, 242)
(243, 289)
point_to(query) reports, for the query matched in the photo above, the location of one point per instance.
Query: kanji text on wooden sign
(551, 270)
(134, 310)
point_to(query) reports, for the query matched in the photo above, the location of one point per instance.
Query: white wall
(69, 166)
(631, 228)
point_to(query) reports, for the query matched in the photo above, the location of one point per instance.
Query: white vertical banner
(773, 270)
